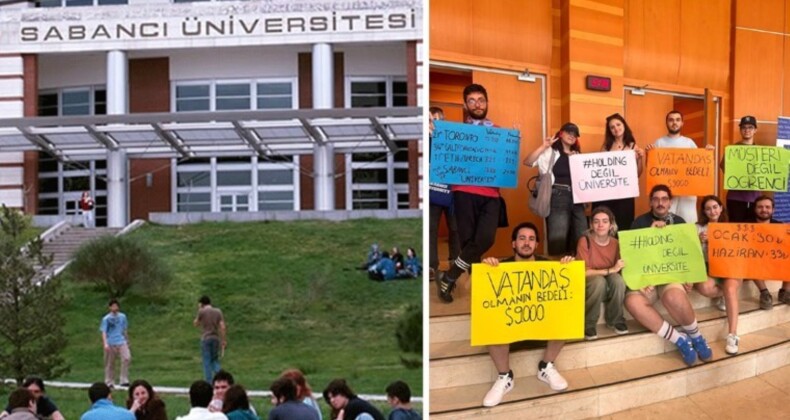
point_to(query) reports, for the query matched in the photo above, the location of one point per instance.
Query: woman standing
(86, 206)
(711, 211)
(618, 137)
(566, 222)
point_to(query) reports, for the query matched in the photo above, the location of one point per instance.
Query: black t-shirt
(562, 170)
(646, 220)
(358, 406)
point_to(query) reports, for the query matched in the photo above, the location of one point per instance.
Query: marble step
(620, 384)
(477, 368)
(450, 322)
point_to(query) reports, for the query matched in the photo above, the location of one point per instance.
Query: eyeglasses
(748, 128)
(473, 101)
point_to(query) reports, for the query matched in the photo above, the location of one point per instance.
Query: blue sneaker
(701, 346)
(689, 355)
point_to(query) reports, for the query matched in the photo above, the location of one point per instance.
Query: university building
(171, 106)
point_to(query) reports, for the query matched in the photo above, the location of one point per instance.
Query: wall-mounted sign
(599, 83)
(275, 22)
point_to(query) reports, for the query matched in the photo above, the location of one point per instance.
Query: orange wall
(736, 50)
(761, 66)
(678, 42)
(513, 30)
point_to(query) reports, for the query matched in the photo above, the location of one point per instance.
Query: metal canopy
(213, 134)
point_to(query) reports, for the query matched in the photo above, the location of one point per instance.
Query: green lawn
(291, 297)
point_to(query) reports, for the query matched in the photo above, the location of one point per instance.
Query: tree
(116, 263)
(31, 317)
(409, 335)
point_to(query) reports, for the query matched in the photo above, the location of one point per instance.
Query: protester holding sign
(673, 296)
(711, 211)
(601, 254)
(764, 213)
(685, 207)
(618, 137)
(440, 203)
(567, 222)
(477, 208)
(739, 202)
(525, 242)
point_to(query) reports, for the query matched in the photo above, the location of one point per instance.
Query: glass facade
(378, 180)
(236, 184)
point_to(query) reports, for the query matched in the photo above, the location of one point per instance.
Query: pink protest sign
(604, 176)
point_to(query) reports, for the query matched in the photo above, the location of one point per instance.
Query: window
(277, 95)
(367, 94)
(234, 95)
(61, 186)
(385, 91)
(193, 98)
(236, 184)
(73, 101)
(378, 180)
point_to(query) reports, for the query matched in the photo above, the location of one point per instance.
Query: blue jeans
(209, 349)
(566, 223)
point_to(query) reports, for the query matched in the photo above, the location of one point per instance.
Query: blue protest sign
(466, 154)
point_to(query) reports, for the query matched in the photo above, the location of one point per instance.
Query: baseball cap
(748, 120)
(570, 128)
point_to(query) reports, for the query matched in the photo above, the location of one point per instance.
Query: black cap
(571, 128)
(748, 120)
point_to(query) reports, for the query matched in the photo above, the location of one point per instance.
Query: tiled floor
(766, 396)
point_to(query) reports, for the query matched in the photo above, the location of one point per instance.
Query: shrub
(409, 335)
(31, 317)
(116, 263)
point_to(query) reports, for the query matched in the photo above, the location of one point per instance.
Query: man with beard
(525, 242)
(764, 213)
(476, 208)
(685, 207)
(673, 295)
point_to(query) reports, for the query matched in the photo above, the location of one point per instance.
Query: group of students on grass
(223, 399)
(383, 265)
(475, 212)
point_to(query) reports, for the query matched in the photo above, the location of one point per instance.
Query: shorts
(657, 292)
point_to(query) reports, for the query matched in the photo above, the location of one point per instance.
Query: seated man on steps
(525, 241)
(673, 296)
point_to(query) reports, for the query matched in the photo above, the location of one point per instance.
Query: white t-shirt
(685, 207)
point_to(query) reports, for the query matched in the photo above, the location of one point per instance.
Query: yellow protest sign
(519, 301)
(749, 250)
(684, 171)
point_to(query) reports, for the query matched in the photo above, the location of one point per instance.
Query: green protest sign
(760, 168)
(655, 256)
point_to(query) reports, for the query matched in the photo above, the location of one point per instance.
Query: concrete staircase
(63, 240)
(605, 376)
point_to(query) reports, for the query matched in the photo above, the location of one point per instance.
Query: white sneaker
(721, 305)
(503, 385)
(732, 344)
(550, 376)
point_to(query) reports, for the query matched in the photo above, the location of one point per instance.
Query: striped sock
(459, 267)
(668, 333)
(692, 329)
